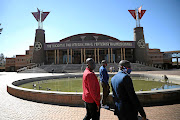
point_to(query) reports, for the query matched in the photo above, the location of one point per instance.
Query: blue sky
(161, 22)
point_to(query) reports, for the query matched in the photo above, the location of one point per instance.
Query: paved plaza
(12, 108)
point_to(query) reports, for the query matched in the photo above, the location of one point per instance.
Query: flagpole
(139, 23)
(38, 24)
(41, 20)
(136, 18)
(139, 14)
(40, 17)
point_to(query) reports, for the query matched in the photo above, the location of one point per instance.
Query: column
(57, 56)
(108, 54)
(177, 62)
(68, 55)
(71, 56)
(111, 56)
(124, 54)
(95, 54)
(54, 56)
(121, 54)
(46, 56)
(98, 54)
(81, 56)
(84, 55)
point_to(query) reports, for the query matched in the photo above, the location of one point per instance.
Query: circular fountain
(155, 97)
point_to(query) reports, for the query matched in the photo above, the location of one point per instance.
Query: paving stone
(12, 108)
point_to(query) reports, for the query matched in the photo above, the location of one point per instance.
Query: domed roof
(89, 37)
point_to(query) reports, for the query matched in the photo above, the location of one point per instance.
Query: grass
(75, 84)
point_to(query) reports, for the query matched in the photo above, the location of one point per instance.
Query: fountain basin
(147, 98)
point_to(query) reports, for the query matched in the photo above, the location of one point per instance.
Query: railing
(28, 67)
(64, 67)
(82, 67)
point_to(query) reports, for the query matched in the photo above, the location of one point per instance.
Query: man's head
(104, 63)
(90, 63)
(125, 65)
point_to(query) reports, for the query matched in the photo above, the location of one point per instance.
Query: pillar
(177, 62)
(95, 55)
(68, 55)
(98, 54)
(54, 56)
(124, 54)
(111, 56)
(121, 54)
(39, 55)
(84, 55)
(108, 54)
(57, 56)
(140, 51)
(81, 56)
(71, 56)
(46, 56)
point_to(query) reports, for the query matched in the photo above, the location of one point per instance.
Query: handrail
(28, 67)
(64, 67)
(82, 66)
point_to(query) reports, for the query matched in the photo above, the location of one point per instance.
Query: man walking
(104, 79)
(127, 104)
(91, 91)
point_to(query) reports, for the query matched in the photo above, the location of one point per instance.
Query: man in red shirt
(91, 91)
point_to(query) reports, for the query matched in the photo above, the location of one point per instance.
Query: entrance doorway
(90, 53)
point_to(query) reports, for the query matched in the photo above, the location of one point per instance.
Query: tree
(2, 59)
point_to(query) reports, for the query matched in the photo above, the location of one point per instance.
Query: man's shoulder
(127, 76)
(121, 74)
(101, 67)
(89, 73)
(86, 72)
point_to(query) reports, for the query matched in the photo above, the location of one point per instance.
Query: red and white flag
(141, 14)
(36, 14)
(44, 15)
(139, 9)
(133, 13)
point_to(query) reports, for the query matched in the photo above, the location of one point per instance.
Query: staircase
(74, 68)
(140, 67)
(34, 70)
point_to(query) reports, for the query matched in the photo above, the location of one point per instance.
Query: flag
(133, 13)
(36, 14)
(139, 9)
(44, 15)
(142, 13)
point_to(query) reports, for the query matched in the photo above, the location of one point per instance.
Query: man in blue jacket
(104, 79)
(126, 102)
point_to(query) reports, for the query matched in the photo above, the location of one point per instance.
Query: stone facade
(39, 53)
(77, 48)
(140, 52)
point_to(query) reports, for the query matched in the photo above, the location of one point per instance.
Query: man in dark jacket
(91, 91)
(126, 102)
